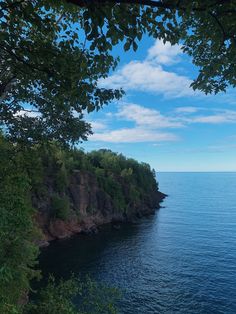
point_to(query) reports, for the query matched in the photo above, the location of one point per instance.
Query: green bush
(61, 179)
(60, 207)
(57, 298)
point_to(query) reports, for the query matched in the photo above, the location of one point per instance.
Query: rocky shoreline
(90, 207)
(58, 229)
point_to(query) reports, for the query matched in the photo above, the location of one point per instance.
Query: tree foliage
(17, 231)
(48, 75)
(54, 53)
(74, 297)
(127, 182)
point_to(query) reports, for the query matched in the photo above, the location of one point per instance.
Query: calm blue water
(182, 260)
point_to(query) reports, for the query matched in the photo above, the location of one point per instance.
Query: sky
(161, 120)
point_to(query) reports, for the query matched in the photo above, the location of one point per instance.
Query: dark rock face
(90, 206)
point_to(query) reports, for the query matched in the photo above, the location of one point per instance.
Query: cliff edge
(79, 197)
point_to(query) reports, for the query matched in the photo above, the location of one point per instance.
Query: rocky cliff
(88, 206)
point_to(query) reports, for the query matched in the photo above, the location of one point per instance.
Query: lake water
(181, 260)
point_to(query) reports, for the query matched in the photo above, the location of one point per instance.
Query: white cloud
(187, 109)
(225, 116)
(133, 135)
(148, 122)
(187, 115)
(97, 125)
(143, 116)
(149, 75)
(164, 53)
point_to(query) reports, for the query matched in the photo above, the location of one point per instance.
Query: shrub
(60, 207)
(61, 179)
(91, 297)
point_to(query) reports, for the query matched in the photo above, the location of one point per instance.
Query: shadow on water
(85, 254)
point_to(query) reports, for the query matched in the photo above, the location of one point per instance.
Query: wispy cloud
(133, 135)
(146, 123)
(187, 109)
(98, 125)
(218, 116)
(221, 148)
(149, 118)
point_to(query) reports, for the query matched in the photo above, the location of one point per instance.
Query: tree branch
(83, 3)
(60, 18)
(32, 66)
(225, 34)
(13, 5)
(4, 86)
(155, 4)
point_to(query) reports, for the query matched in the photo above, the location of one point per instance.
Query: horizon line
(195, 171)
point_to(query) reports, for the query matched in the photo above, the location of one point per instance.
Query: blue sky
(161, 120)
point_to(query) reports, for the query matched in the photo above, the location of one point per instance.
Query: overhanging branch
(151, 3)
(174, 5)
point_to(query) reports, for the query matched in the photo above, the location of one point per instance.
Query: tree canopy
(48, 75)
(53, 54)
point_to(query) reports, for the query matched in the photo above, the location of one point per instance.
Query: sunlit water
(181, 260)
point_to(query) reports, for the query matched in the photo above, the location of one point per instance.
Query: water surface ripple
(182, 260)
